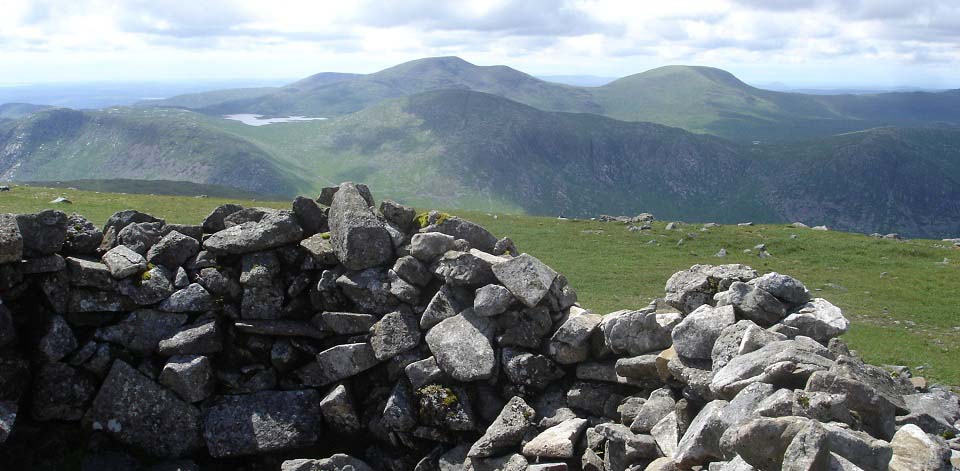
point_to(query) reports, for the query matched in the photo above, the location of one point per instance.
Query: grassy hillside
(19, 110)
(63, 144)
(155, 187)
(902, 296)
(698, 99)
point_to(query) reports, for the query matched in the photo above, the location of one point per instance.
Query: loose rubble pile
(336, 336)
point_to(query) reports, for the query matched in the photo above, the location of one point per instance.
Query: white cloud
(792, 41)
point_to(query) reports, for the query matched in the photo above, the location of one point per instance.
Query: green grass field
(903, 297)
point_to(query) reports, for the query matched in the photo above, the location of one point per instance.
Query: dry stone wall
(340, 335)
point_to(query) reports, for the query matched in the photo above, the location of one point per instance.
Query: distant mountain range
(445, 133)
(698, 99)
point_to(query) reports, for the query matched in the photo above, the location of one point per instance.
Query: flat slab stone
(462, 350)
(526, 277)
(262, 422)
(339, 362)
(136, 411)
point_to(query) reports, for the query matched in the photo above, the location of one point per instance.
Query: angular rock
(638, 332)
(660, 404)
(527, 369)
(11, 241)
(692, 288)
(571, 342)
(359, 238)
(558, 441)
(762, 442)
(138, 412)
(412, 270)
(394, 333)
(83, 237)
(666, 434)
(428, 246)
(140, 237)
(258, 269)
(701, 441)
(320, 247)
(8, 416)
(491, 300)
(695, 336)
(526, 277)
(193, 298)
(525, 328)
(449, 408)
(280, 328)
(197, 340)
(61, 392)
(312, 218)
(819, 320)
(142, 331)
(123, 262)
(262, 422)
(338, 411)
(151, 287)
(98, 301)
(935, 412)
(399, 414)
(913, 449)
(338, 462)
(369, 290)
(88, 274)
(515, 420)
(445, 304)
(190, 376)
(57, 341)
(784, 287)
(641, 367)
(464, 268)
(344, 323)
(338, 362)
(43, 233)
(787, 363)
(173, 250)
(262, 302)
(809, 450)
(753, 303)
(274, 230)
(214, 221)
(424, 372)
(462, 348)
(478, 237)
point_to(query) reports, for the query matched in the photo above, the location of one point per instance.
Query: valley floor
(903, 297)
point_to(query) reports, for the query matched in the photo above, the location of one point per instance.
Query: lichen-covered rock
(62, 392)
(787, 363)
(558, 441)
(753, 303)
(394, 333)
(142, 330)
(571, 342)
(914, 449)
(638, 332)
(819, 320)
(190, 376)
(491, 300)
(11, 241)
(359, 238)
(262, 422)
(123, 262)
(214, 221)
(136, 411)
(312, 217)
(696, 286)
(339, 362)
(784, 287)
(526, 277)
(192, 298)
(695, 336)
(277, 228)
(462, 348)
(193, 340)
(43, 233)
(338, 411)
(173, 250)
(478, 237)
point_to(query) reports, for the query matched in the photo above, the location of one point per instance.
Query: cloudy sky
(795, 42)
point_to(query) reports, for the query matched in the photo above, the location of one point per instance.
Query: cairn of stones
(341, 335)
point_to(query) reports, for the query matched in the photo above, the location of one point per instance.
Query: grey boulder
(526, 277)
(138, 412)
(462, 348)
(277, 228)
(262, 422)
(695, 336)
(358, 236)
